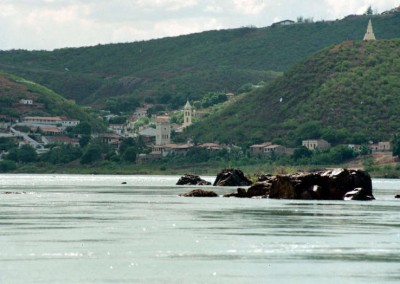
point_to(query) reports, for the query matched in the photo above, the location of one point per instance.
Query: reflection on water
(94, 229)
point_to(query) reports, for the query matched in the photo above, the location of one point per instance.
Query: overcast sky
(50, 24)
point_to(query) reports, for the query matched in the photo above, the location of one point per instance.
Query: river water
(95, 229)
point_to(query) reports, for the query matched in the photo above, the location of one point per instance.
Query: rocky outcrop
(337, 184)
(231, 177)
(327, 185)
(189, 179)
(199, 193)
(397, 196)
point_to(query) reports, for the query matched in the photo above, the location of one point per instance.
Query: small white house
(26, 102)
(315, 144)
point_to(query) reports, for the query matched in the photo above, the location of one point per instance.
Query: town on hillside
(154, 131)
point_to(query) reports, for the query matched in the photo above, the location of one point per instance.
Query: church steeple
(187, 114)
(369, 35)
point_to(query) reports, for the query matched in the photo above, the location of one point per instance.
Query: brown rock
(327, 185)
(231, 177)
(199, 193)
(259, 189)
(189, 179)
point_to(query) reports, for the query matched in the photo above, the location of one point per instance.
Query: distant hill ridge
(170, 70)
(348, 93)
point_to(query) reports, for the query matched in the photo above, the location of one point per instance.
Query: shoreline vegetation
(205, 169)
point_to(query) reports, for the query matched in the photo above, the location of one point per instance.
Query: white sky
(49, 24)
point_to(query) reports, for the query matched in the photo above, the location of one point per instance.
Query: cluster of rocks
(336, 184)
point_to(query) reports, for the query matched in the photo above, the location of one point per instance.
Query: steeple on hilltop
(369, 35)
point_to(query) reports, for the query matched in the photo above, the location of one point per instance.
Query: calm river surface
(94, 229)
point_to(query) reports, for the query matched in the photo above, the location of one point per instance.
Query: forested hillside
(170, 70)
(345, 93)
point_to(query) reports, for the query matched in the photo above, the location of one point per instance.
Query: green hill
(345, 93)
(45, 101)
(170, 70)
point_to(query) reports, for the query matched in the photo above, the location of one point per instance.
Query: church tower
(369, 35)
(163, 130)
(187, 115)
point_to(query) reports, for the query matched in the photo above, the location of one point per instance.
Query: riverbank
(391, 170)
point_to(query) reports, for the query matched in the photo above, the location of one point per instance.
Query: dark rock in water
(189, 179)
(397, 196)
(259, 189)
(200, 193)
(124, 182)
(241, 193)
(358, 194)
(326, 185)
(231, 177)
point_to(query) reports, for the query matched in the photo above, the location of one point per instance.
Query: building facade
(315, 144)
(187, 115)
(163, 130)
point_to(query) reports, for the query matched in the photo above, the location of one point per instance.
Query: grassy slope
(349, 90)
(47, 102)
(185, 66)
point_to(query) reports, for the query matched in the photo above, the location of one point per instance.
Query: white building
(26, 102)
(315, 144)
(50, 120)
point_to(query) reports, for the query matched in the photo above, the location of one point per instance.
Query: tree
(301, 152)
(365, 150)
(84, 141)
(369, 11)
(130, 154)
(27, 154)
(83, 128)
(127, 143)
(396, 145)
(6, 144)
(92, 154)
(61, 154)
(7, 166)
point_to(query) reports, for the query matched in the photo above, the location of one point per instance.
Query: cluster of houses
(157, 138)
(267, 148)
(48, 129)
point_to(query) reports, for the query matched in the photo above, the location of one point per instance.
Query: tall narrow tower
(187, 114)
(369, 35)
(163, 131)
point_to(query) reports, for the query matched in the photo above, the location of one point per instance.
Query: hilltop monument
(187, 115)
(369, 35)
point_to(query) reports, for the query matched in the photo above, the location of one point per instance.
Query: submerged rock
(199, 193)
(189, 179)
(358, 194)
(231, 177)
